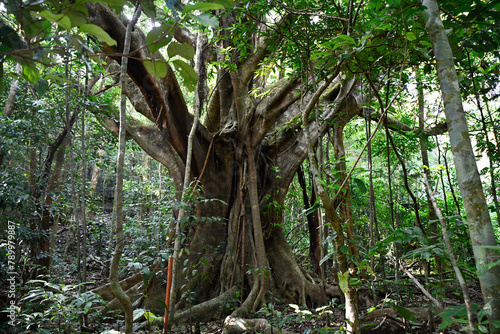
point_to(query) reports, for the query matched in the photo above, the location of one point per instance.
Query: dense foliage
(354, 80)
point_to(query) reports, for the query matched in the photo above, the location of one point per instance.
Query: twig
(421, 287)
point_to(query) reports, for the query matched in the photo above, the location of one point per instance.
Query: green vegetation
(309, 166)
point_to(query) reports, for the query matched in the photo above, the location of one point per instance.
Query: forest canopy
(238, 166)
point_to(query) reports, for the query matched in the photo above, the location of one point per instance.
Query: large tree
(246, 151)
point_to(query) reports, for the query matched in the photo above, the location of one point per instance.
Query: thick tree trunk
(227, 248)
(480, 226)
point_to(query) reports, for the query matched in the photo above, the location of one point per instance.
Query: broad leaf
(343, 282)
(206, 19)
(187, 73)
(361, 185)
(150, 316)
(31, 73)
(41, 87)
(404, 312)
(225, 3)
(138, 313)
(160, 36)
(98, 32)
(446, 322)
(177, 49)
(157, 68)
(60, 19)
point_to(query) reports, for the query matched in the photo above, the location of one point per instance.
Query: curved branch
(163, 96)
(396, 125)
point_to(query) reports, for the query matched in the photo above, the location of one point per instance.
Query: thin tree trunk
(118, 218)
(450, 182)
(480, 227)
(11, 98)
(441, 178)
(451, 254)
(351, 298)
(407, 185)
(83, 206)
(199, 100)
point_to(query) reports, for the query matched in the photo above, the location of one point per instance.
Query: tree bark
(221, 241)
(480, 227)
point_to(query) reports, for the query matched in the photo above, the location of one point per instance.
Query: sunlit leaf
(61, 19)
(160, 36)
(31, 73)
(202, 6)
(411, 36)
(98, 32)
(150, 316)
(343, 282)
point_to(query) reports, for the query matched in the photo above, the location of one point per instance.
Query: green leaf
(404, 312)
(77, 19)
(206, 19)
(41, 87)
(187, 73)
(57, 78)
(30, 73)
(160, 36)
(202, 6)
(355, 281)
(482, 329)
(156, 68)
(60, 19)
(446, 322)
(225, 3)
(40, 27)
(149, 8)
(177, 49)
(361, 185)
(490, 265)
(98, 32)
(150, 316)
(343, 283)
(411, 36)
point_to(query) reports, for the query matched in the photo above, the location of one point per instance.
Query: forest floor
(400, 307)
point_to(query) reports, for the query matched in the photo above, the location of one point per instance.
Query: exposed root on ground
(234, 325)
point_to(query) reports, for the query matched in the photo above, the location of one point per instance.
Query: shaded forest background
(323, 192)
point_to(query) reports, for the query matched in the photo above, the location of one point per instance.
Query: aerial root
(210, 310)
